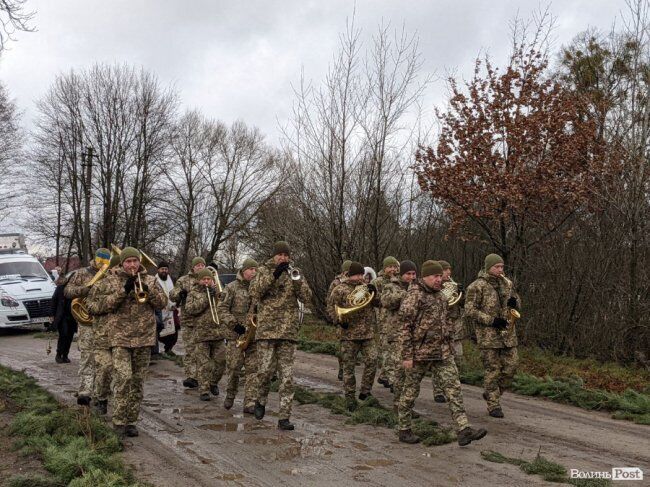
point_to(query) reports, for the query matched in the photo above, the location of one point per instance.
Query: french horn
(358, 298)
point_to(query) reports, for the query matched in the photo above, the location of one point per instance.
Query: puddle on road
(380, 462)
(359, 446)
(233, 426)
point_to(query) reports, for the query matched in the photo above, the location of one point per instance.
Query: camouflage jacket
(487, 299)
(197, 308)
(427, 334)
(235, 305)
(362, 322)
(456, 315)
(76, 287)
(391, 299)
(101, 328)
(129, 324)
(276, 303)
(186, 283)
(330, 309)
(380, 282)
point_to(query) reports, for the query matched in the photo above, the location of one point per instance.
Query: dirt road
(188, 442)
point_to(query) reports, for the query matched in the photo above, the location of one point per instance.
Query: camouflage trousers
(500, 366)
(458, 358)
(189, 360)
(206, 355)
(103, 374)
(268, 351)
(129, 371)
(382, 342)
(350, 349)
(446, 374)
(242, 361)
(86, 360)
(392, 360)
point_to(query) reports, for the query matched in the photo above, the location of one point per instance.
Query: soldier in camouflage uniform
(456, 316)
(390, 269)
(486, 308)
(330, 305)
(102, 350)
(208, 336)
(427, 336)
(357, 330)
(77, 288)
(233, 313)
(178, 295)
(391, 299)
(132, 328)
(275, 296)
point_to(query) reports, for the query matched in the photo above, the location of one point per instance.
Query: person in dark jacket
(62, 321)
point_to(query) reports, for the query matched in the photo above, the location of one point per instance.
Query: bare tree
(14, 17)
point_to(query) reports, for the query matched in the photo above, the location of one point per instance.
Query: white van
(26, 291)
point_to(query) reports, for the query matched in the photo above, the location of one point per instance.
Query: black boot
(407, 436)
(204, 397)
(439, 398)
(228, 403)
(59, 359)
(485, 398)
(190, 383)
(66, 360)
(214, 389)
(120, 430)
(383, 382)
(101, 407)
(83, 400)
(259, 410)
(496, 413)
(340, 374)
(284, 424)
(467, 435)
(249, 410)
(364, 395)
(131, 430)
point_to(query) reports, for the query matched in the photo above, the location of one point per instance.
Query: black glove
(460, 288)
(212, 291)
(182, 297)
(372, 288)
(512, 302)
(240, 329)
(499, 323)
(282, 267)
(145, 288)
(344, 325)
(129, 285)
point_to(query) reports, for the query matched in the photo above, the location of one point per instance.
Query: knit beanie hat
(389, 261)
(355, 269)
(491, 260)
(345, 267)
(248, 264)
(281, 247)
(445, 265)
(431, 268)
(407, 266)
(204, 273)
(128, 252)
(197, 260)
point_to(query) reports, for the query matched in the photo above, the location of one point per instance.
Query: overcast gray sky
(237, 59)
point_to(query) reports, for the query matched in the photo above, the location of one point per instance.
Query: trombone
(211, 301)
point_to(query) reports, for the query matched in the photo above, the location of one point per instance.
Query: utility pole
(87, 164)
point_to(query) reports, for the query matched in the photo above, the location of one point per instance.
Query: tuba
(358, 298)
(78, 307)
(513, 315)
(244, 341)
(450, 292)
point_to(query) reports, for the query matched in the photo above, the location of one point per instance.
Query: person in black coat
(62, 321)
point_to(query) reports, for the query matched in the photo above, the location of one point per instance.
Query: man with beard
(168, 323)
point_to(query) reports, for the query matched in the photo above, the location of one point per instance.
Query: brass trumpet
(141, 296)
(244, 341)
(359, 298)
(513, 315)
(294, 273)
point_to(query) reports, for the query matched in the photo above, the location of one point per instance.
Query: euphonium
(513, 314)
(359, 298)
(244, 341)
(78, 305)
(450, 292)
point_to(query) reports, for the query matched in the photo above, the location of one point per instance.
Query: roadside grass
(177, 359)
(373, 413)
(76, 447)
(585, 383)
(548, 470)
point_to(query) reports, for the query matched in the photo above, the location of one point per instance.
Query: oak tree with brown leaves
(516, 156)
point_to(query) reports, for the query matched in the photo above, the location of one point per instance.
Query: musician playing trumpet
(208, 332)
(233, 313)
(357, 322)
(129, 298)
(490, 302)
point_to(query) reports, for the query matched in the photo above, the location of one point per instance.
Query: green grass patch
(75, 446)
(30, 480)
(373, 413)
(177, 359)
(548, 470)
(327, 348)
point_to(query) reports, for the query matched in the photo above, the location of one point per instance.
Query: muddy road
(185, 441)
